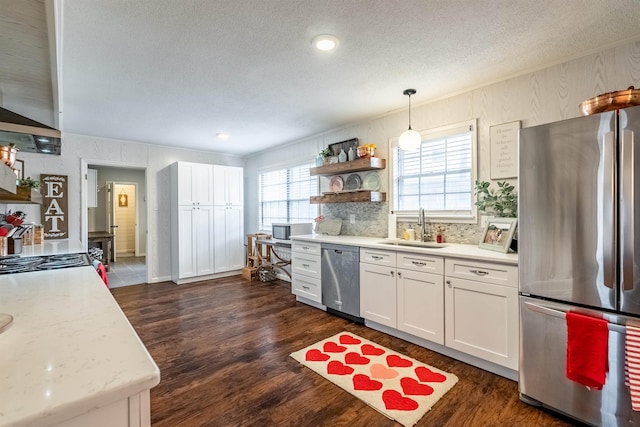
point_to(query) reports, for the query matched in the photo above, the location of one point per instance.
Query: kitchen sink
(414, 243)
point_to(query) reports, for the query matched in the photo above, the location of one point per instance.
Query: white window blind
(284, 196)
(439, 176)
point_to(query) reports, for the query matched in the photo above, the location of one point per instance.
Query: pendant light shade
(410, 139)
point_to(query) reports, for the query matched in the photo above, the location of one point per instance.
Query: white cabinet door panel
(378, 294)
(421, 305)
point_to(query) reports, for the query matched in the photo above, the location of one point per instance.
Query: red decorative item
(355, 359)
(348, 339)
(398, 362)
(315, 355)
(412, 387)
(331, 347)
(394, 400)
(369, 350)
(587, 349)
(428, 376)
(363, 382)
(338, 368)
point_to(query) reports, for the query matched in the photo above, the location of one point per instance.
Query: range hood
(28, 135)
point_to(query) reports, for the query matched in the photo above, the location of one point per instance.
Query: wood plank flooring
(223, 348)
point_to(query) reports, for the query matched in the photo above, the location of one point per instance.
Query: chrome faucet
(422, 222)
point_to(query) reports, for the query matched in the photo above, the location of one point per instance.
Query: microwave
(284, 231)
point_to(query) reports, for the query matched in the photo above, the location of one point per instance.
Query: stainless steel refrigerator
(579, 249)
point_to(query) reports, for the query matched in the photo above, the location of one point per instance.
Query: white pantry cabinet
(482, 313)
(228, 218)
(403, 291)
(194, 183)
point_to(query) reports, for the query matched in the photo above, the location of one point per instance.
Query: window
(284, 196)
(439, 176)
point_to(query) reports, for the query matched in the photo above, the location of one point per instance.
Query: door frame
(113, 213)
(84, 230)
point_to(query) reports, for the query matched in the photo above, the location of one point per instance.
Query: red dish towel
(102, 272)
(632, 364)
(587, 349)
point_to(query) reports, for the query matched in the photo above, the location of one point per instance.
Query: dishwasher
(341, 280)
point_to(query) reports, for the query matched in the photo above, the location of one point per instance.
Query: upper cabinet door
(195, 184)
(227, 185)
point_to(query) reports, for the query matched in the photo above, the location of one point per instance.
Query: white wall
(543, 96)
(157, 158)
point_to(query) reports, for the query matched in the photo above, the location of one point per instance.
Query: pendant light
(409, 139)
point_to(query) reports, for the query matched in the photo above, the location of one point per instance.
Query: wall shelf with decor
(365, 164)
(26, 195)
(349, 196)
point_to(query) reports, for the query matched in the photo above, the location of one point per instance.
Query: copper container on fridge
(8, 154)
(611, 101)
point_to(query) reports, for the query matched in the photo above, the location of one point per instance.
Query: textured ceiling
(177, 72)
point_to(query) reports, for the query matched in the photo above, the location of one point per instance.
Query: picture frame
(18, 169)
(498, 233)
(344, 145)
(503, 150)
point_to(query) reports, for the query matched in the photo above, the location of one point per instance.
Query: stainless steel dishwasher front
(341, 280)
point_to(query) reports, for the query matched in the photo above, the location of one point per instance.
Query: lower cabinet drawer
(500, 274)
(307, 287)
(305, 264)
(374, 256)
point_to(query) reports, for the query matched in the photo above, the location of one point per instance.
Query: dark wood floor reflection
(223, 350)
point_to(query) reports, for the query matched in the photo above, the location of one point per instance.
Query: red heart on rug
(398, 362)
(316, 355)
(338, 368)
(355, 359)
(331, 347)
(412, 387)
(426, 375)
(394, 400)
(369, 350)
(382, 372)
(363, 382)
(348, 339)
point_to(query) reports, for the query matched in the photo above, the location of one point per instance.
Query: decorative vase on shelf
(319, 161)
(351, 155)
(342, 157)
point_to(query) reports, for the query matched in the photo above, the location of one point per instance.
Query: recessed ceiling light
(325, 42)
(222, 135)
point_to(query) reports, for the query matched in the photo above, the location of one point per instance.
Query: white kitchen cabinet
(92, 188)
(228, 218)
(378, 293)
(195, 242)
(306, 273)
(227, 238)
(227, 185)
(482, 314)
(420, 304)
(403, 291)
(131, 412)
(194, 183)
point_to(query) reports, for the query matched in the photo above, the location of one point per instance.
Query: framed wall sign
(54, 206)
(504, 150)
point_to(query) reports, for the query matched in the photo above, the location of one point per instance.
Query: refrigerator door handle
(608, 212)
(627, 229)
(613, 327)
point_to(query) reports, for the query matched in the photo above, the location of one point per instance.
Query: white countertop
(53, 247)
(451, 250)
(69, 350)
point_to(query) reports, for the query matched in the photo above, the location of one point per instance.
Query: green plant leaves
(501, 202)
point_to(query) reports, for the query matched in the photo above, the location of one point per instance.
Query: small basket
(267, 274)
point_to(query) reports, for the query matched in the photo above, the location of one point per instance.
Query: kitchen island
(70, 357)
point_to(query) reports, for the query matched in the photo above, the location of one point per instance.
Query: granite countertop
(69, 350)
(451, 250)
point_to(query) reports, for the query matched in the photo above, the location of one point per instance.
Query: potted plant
(326, 153)
(500, 202)
(29, 183)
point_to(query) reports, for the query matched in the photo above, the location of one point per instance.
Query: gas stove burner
(65, 257)
(60, 264)
(21, 260)
(6, 269)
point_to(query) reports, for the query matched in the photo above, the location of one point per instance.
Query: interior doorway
(122, 211)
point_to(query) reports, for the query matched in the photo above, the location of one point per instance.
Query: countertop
(451, 250)
(53, 247)
(69, 350)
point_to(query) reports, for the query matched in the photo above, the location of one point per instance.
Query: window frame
(281, 166)
(433, 133)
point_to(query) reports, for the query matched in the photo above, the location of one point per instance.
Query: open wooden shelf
(371, 163)
(349, 196)
(25, 195)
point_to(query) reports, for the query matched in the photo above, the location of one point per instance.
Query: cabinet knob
(376, 257)
(419, 263)
(479, 272)
(449, 283)
(392, 272)
(399, 274)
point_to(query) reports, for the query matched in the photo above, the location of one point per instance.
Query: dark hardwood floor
(223, 350)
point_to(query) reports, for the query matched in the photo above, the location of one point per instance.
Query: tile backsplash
(371, 219)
